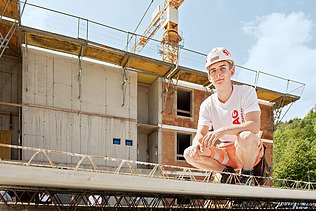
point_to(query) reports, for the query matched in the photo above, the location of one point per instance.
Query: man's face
(219, 73)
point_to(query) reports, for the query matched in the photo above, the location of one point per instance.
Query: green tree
(295, 149)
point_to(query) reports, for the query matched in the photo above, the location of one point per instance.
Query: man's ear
(232, 71)
(209, 78)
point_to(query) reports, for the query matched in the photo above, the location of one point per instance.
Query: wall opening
(116, 141)
(184, 103)
(183, 142)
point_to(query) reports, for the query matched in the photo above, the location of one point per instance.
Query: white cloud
(281, 48)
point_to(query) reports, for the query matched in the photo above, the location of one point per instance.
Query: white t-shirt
(216, 114)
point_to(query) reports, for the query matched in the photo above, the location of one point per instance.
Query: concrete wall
(153, 149)
(154, 103)
(149, 113)
(10, 92)
(142, 104)
(77, 115)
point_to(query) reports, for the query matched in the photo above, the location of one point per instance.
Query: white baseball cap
(218, 54)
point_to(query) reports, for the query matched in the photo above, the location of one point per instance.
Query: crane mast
(167, 19)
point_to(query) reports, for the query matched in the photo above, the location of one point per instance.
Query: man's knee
(247, 139)
(186, 154)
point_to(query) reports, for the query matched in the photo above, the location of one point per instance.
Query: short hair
(231, 65)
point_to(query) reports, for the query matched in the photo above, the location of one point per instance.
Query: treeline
(295, 149)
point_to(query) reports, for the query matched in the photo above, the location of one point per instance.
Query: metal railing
(108, 165)
(81, 28)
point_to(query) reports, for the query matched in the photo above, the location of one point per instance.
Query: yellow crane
(167, 19)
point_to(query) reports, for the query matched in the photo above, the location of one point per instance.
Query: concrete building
(125, 107)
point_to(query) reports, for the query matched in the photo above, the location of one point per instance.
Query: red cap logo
(226, 52)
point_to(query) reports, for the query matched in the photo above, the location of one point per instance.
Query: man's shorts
(226, 155)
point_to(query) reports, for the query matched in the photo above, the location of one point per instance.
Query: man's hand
(211, 137)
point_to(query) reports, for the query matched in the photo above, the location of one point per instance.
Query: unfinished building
(75, 94)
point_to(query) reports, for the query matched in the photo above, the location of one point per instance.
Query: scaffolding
(108, 196)
(74, 199)
(108, 165)
(10, 23)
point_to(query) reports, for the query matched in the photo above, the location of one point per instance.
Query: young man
(229, 123)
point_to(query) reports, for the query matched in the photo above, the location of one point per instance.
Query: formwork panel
(153, 147)
(62, 83)
(10, 68)
(154, 103)
(62, 70)
(75, 88)
(90, 134)
(5, 85)
(85, 121)
(64, 133)
(133, 108)
(142, 104)
(33, 134)
(133, 84)
(114, 93)
(93, 89)
(62, 95)
(142, 140)
(76, 136)
(132, 150)
(50, 127)
(28, 81)
(96, 137)
(4, 121)
(40, 81)
(50, 81)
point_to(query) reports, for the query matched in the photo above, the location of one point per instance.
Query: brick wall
(269, 153)
(169, 149)
(188, 122)
(266, 121)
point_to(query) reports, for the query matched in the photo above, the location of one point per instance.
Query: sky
(273, 36)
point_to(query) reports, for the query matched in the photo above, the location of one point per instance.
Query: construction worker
(229, 122)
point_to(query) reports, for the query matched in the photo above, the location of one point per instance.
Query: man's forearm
(236, 129)
(197, 139)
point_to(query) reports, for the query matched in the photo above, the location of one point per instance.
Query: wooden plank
(13, 47)
(10, 10)
(5, 138)
(148, 65)
(146, 79)
(197, 78)
(52, 43)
